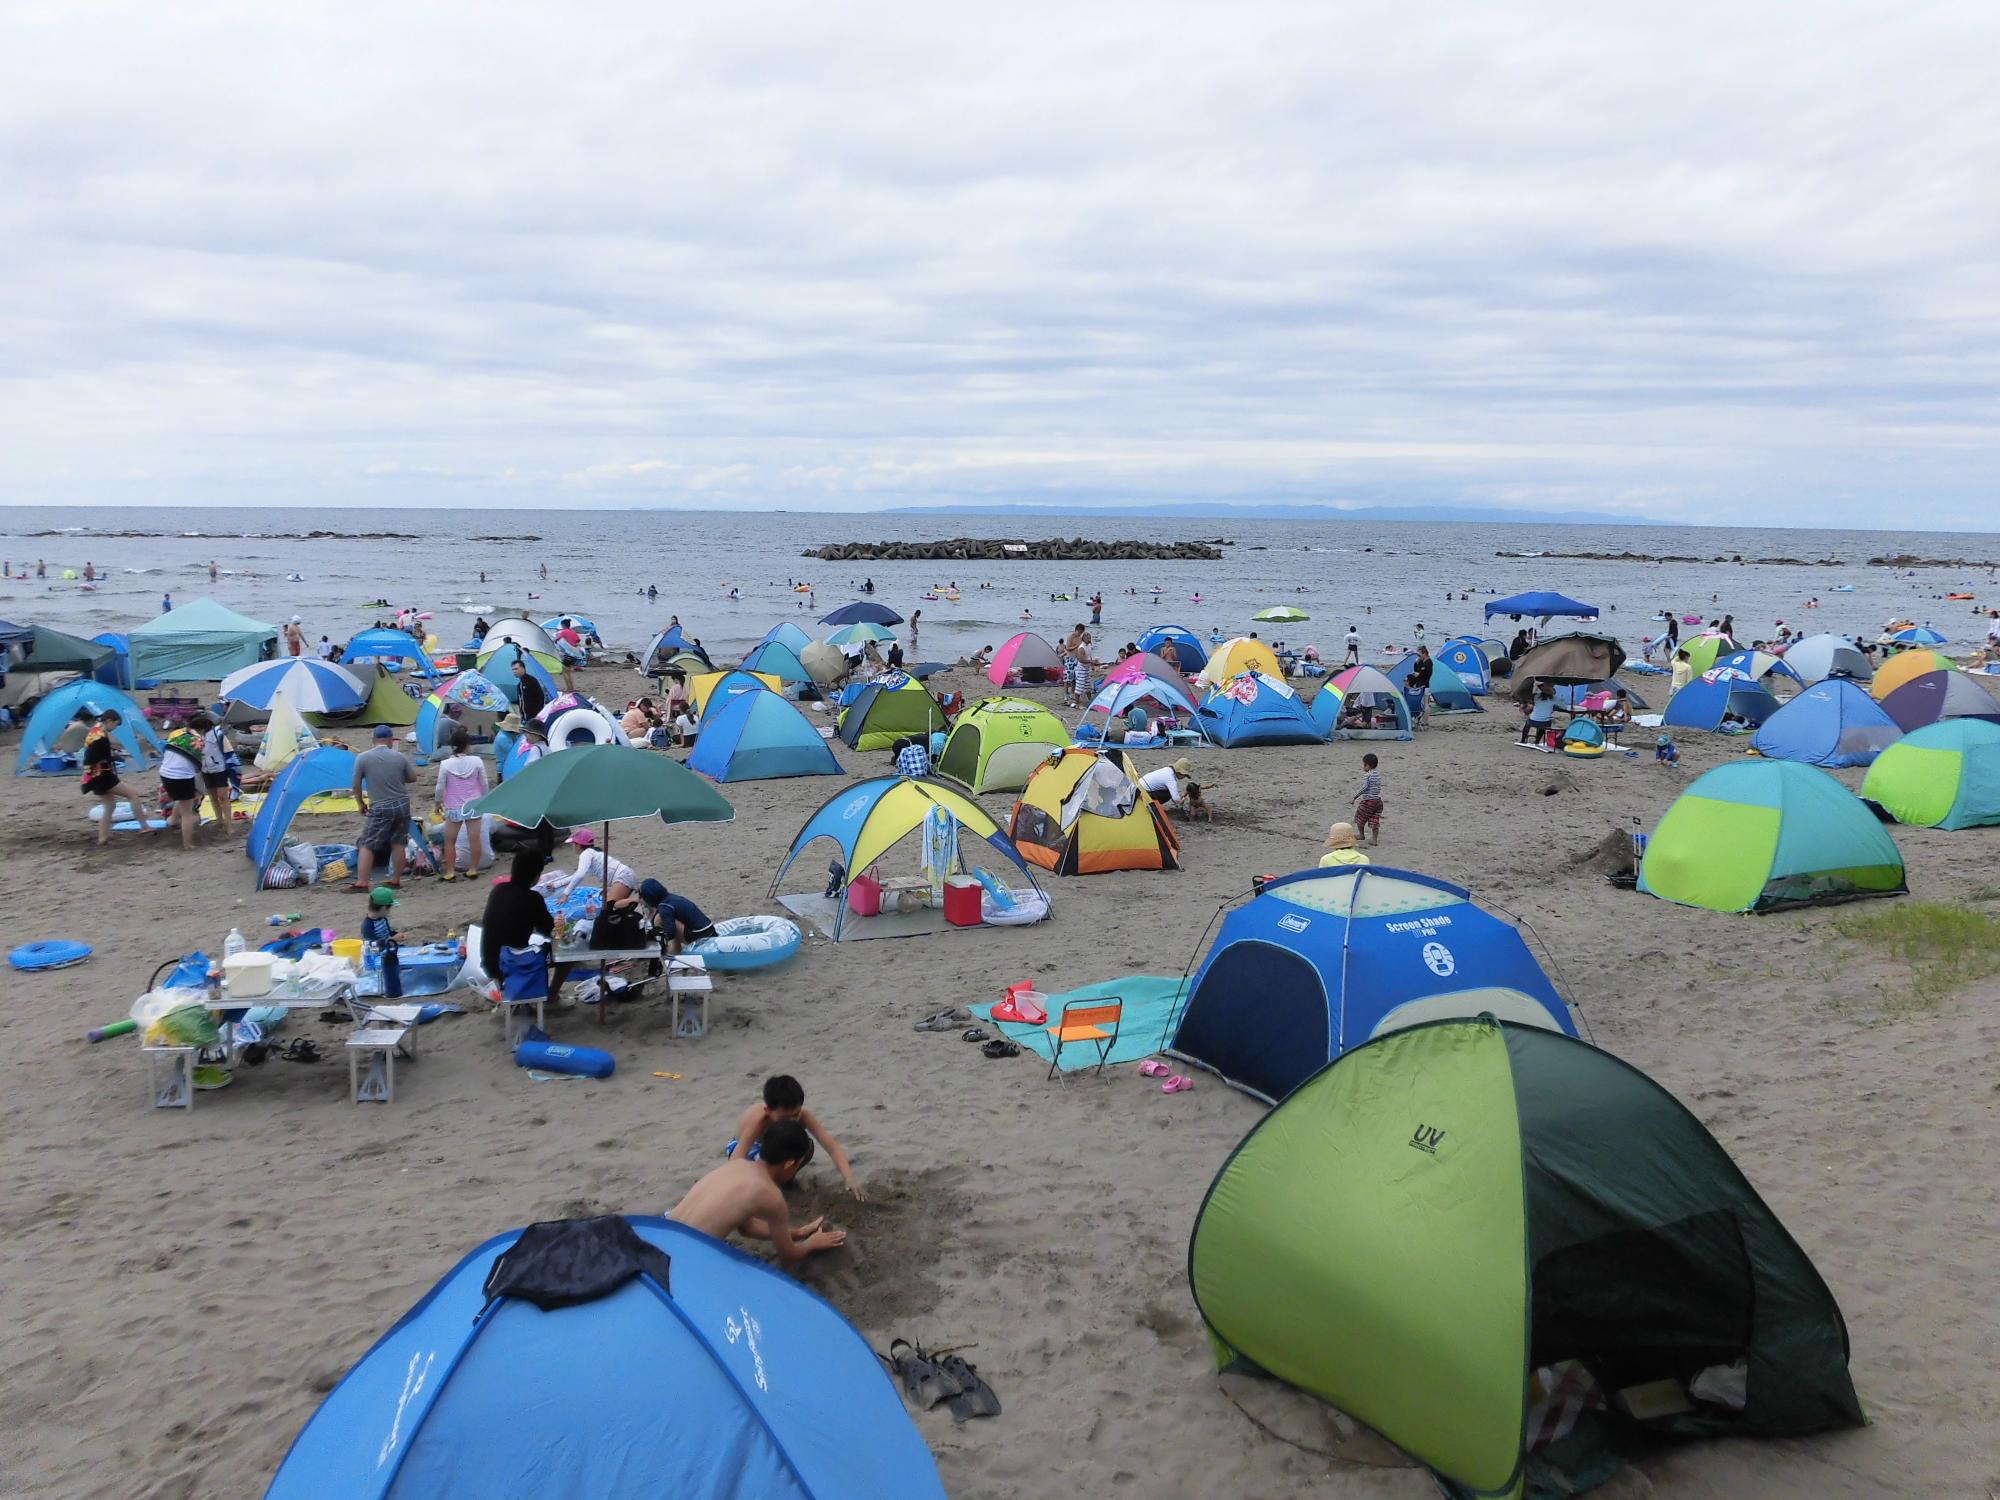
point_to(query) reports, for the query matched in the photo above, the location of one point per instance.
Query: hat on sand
(1340, 836)
(511, 724)
(1184, 767)
(583, 838)
(381, 896)
(384, 732)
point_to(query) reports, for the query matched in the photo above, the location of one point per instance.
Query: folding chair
(1084, 1021)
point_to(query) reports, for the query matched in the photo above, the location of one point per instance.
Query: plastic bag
(184, 1026)
(300, 857)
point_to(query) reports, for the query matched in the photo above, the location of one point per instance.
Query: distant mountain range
(1228, 512)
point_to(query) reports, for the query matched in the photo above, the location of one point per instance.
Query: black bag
(512, 838)
(618, 927)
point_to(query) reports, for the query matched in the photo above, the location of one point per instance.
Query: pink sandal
(1152, 1067)
(1180, 1083)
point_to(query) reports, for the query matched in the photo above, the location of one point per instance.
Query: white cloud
(1710, 259)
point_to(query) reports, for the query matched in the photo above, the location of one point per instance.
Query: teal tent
(758, 736)
(53, 651)
(200, 642)
(56, 712)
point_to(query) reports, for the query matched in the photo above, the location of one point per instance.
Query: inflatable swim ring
(748, 943)
(57, 954)
(580, 724)
(1583, 751)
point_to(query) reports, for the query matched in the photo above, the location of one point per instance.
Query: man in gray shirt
(382, 778)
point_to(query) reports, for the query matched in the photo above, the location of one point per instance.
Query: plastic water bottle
(232, 945)
(279, 919)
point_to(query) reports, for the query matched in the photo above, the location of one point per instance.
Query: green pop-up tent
(1438, 1215)
(1943, 775)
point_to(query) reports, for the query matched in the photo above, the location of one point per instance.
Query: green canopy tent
(200, 642)
(1440, 1214)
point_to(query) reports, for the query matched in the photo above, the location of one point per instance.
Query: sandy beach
(178, 1291)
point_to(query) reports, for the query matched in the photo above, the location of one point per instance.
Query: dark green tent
(54, 651)
(1438, 1215)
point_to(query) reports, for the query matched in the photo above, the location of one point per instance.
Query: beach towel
(1150, 1000)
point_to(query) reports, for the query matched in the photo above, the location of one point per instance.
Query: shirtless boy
(747, 1197)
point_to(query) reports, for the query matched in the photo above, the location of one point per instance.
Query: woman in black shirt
(515, 912)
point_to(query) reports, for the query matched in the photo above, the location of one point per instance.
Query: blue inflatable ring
(54, 955)
(748, 943)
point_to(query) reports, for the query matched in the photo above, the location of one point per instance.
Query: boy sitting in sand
(747, 1197)
(784, 1103)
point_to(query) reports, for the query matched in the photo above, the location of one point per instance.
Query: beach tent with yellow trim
(729, 684)
(1084, 813)
(1703, 649)
(387, 704)
(1763, 835)
(1904, 666)
(868, 819)
(996, 744)
(892, 707)
(1454, 1227)
(1235, 657)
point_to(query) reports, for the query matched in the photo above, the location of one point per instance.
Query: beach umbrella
(1917, 635)
(862, 613)
(1281, 614)
(826, 663)
(475, 691)
(601, 784)
(858, 634)
(318, 687)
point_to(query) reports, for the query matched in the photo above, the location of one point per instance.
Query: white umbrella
(313, 687)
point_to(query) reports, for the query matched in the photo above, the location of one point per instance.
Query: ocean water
(1384, 577)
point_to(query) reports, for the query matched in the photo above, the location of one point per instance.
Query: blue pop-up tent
(1188, 649)
(758, 736)
(134, 736)
(385, 645)
(1543, 605)
(1831, 723)
(1719, 693)
(1253, 709)
(619, 1359)
(325, 769)
(1323, 960)
(777, 659)
(1465, 656)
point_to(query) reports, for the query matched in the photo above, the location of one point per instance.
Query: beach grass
(1944, 947)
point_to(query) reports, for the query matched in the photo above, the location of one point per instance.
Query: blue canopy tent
(1448, 690)
(118, 670)
(1253, 709)
(1718, 693)
(325, 769)
(1543, 606)
(134, 737)
(1831, 723)
(1463, 654)
(1187, 646)
(1321, 961)
(388, 646)
(776, 659)
(758, 736)
(200, 642)
(497, 667)
(619, 1359)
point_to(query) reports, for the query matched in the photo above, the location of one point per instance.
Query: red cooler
(961, 901)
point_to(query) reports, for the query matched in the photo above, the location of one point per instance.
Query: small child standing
(785, 1099)
(1368, 801)
(379, 938)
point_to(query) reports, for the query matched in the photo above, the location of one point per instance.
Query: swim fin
(923, 1380)
(976, 1398)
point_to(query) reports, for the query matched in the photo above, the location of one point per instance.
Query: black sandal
(973, 1034)
(1001, 1047)
(301, 1049)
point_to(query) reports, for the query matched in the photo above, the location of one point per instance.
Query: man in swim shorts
(747, 1197)
(381, 788)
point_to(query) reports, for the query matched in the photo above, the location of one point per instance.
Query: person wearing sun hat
(1340, 850)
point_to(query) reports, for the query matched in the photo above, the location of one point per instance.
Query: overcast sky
(1698, 260)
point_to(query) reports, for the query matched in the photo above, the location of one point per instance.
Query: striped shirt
(1371, 786)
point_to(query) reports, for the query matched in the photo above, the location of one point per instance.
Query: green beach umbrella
(1281, 614)
(859, 633)
(602, 783)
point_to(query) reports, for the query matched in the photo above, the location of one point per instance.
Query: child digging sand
(785, 1099)
(1368, 801)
